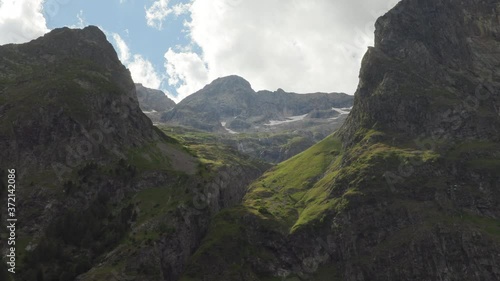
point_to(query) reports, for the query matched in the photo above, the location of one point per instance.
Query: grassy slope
(288, 192)
(264, 146)
(301, 192)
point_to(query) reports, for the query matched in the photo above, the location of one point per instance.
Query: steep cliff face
(101, 192)
(69, 113)
(150, 99)
(65, 98)
(433, 70)
(177, 220)
(408, 189)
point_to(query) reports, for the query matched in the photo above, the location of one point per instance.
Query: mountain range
(269, 126)
(406, 189)
(230, 104)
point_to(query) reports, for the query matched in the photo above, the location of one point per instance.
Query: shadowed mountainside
(100, 190)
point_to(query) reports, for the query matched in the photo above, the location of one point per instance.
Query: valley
(115, 181)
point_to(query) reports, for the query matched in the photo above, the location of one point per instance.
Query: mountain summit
(229, 84)
(231, 103)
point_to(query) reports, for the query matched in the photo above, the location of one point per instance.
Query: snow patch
(227, 129)
(342, 111)
(289, 120)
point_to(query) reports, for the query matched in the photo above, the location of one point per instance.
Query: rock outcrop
(154, 103)
(150, 99)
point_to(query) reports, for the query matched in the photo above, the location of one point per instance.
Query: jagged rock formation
(407, 189)
(153, 102)
(230, 103)
(98, 186)
(150, 99)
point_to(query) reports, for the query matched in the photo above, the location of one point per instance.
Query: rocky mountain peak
(87, 43)
(77, 83)
(433, 68)
(90, 34)
(229, 84)
(87, 47)
(152, 99)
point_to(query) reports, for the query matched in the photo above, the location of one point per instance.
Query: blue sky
(179, 46)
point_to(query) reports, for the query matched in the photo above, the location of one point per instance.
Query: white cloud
(21, 21)
(187, 72)
(143, 72)
(160, 10)
(141, 69)
(123, 50)
(181, 8)
(156, 14)
(301, 46)
(81, 20)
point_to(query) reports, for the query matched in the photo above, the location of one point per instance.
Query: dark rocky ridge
(150, 99)
(39, 108)
(154, 103)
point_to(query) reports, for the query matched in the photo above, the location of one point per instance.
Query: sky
(179, 46)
